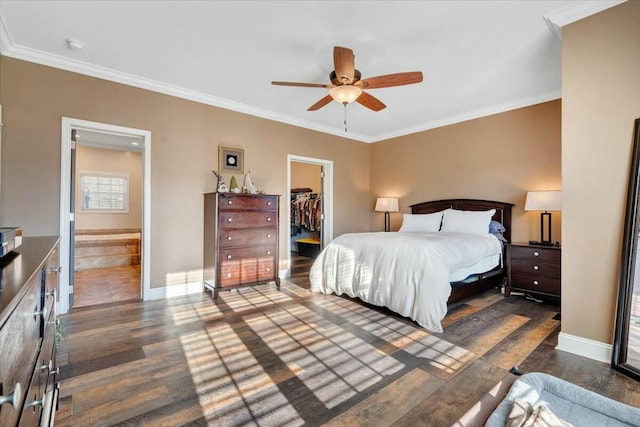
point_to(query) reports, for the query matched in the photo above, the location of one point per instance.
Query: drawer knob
(229, 202)
(51, 294)
(228, 237)
(268, 219)
(229, 219)
(14, 397)
(268, 236)
(268, 269)
(536, 253)
(37, 402)
(268, 252)
(269, 203)
(47, 367)
(229, 256)
(536, 283)
(536, 268)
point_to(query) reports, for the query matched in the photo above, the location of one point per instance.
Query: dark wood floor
(269, 358)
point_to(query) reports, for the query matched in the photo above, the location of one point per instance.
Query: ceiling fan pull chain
(345, 117)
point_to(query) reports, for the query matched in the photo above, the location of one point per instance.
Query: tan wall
(601, 99)
(91, 159)
(305, 175)
(185, 138)
(498, 157)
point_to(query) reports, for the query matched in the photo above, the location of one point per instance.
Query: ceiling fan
(346, 84)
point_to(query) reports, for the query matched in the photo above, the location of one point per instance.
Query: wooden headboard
(502, 215)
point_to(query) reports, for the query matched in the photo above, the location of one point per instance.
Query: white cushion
(421, 223)
(475, 222)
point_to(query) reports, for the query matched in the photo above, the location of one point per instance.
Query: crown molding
(471, 115)
(10, 49)
(575, 12)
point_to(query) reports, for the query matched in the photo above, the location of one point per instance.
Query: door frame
(327, 200)
(68, 124)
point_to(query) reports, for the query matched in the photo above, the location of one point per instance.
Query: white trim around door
(68, 124)
(327, 200)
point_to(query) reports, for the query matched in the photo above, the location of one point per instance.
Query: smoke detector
(75, 45)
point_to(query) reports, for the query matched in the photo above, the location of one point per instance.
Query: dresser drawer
(549, 285)
(253, 202)
(229, 219)
(249, 236)
(533, 253)
(19, 345)
(247, 271)
(539, 269)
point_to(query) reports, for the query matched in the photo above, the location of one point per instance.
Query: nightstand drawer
(534, 268)
(547, 285)
(535, 253)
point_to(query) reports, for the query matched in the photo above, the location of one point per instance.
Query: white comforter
(406, 272)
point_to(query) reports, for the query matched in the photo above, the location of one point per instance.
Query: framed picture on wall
(231, 160)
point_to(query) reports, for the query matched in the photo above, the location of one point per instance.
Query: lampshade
(387, 204)
(543, 201)
(345, 94)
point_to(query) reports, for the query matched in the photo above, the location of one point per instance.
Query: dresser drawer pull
(536, 283)
(47, 367)
(57, 269)
(228, 237)
(268, 269)
(536, 268)
(229, 219)
(229, 256)
(229, 202)
(42, 313)
(268, 252)
(268, 219)
(13, 398)
(268, 236)
(536, 253)
(51, 293)
(268, 203)
(37, 402)
(228, 274)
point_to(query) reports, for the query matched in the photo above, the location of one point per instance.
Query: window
(103, 192)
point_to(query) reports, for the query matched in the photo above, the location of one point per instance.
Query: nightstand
(533, 269)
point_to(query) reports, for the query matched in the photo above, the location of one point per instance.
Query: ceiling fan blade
(344, 64)
(318, 105)
(390, 80)
(302, 84)
(371, 102)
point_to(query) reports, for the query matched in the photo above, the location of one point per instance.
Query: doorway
(104, 216)
(310, 209)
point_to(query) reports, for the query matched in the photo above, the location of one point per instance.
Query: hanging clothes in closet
(306, 209)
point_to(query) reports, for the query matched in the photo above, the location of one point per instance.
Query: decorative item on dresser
(240, 240)
(28, 330)
(533, 269)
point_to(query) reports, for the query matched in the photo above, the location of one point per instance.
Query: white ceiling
(477, 57)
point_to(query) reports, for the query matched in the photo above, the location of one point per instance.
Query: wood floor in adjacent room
(272, 358)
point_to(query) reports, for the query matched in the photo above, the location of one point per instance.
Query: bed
(417, 274)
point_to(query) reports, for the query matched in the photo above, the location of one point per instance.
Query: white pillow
(421, 223)
(475, 222)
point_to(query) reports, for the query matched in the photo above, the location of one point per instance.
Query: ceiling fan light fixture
(345, 94)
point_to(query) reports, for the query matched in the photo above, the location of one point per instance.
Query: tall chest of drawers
(533, 269)
(240, 240)
(28, 371)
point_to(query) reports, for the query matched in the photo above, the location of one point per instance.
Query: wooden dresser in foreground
(28, 371)
(240, 240)
(533, 269)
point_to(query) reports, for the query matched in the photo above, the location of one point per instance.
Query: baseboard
(186, 289)
(585, 347)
